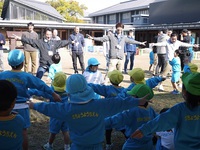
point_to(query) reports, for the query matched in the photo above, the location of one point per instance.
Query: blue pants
(131, 56)
(41, 70)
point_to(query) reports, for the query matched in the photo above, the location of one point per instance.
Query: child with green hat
(133, 118)
(137, 76)
(84, 114)
(108, 91)
(183, 117)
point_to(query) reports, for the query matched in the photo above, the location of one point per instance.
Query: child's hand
(56, 97)
(31, 104)
(144, 99)
(137, 134)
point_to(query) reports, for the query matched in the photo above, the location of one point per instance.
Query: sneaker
(47, 147)
(109, 146)
(175, 92)
(161, 89)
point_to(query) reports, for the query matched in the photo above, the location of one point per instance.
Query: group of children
(86, 108)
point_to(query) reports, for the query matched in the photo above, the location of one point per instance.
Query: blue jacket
(132, 119)
(151, 82)
(11, 128)
(79, 42)
(176, 64)
(185, 121)
(22, 82)
(130, 47)
(86, 121)
(107, 91)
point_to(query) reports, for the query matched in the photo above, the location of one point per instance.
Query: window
(126, 16)
(111, 17)
(14, 11)
(36, 16)
(100, 19)
(21, 13)
(29, 15)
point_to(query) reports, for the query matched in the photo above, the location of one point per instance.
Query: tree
(71, 10)
(1, 5)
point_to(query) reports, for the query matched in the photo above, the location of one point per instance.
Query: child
(84, 114)
(137, 76)
(55, 67)
(153, 61)
(133, 118)
(183, 117)
(22, 82)
(12, 125)
(176, 71)
(59, 86)
(165, 138)
(92, 74)
(190, 68)
(108, 91)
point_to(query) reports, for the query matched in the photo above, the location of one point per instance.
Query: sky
(95, 5)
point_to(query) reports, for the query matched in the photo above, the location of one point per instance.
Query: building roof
(124, 6)
(40, 6)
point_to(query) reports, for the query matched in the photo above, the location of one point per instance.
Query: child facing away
(153, 61)
(165, 138)
(84, 114)
(137, 76)
(12, 125)
(134, 118)
(92, 74)
(108, 91)
(22, 82)
(55, 67)
(183, 117)
(55, 125)
(176, 71)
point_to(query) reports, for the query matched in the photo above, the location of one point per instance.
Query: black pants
(79, 55)
(162, 63)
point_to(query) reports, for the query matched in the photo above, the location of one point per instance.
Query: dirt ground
(38, 132)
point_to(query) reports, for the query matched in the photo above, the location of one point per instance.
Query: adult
(29, 51)
(77, 49)
(47, 47)
(171, 45)
(191, 52)
(117, 41)
(184, 37)
(161, 52)
(2, 42)
(129, 51)
(55, 35)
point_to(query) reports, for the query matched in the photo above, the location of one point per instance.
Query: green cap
(115, 76)
(59, 82)
(141, 90)
(137, 74)
(191, 82)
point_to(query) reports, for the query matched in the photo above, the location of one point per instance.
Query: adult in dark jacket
(47, 47)
(77, 49)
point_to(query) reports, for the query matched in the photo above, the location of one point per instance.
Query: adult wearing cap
(133, 118)
(183, 117)
(184, 51)
(30, 53)
(47, 47)
(117, 42)
(84, 114)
